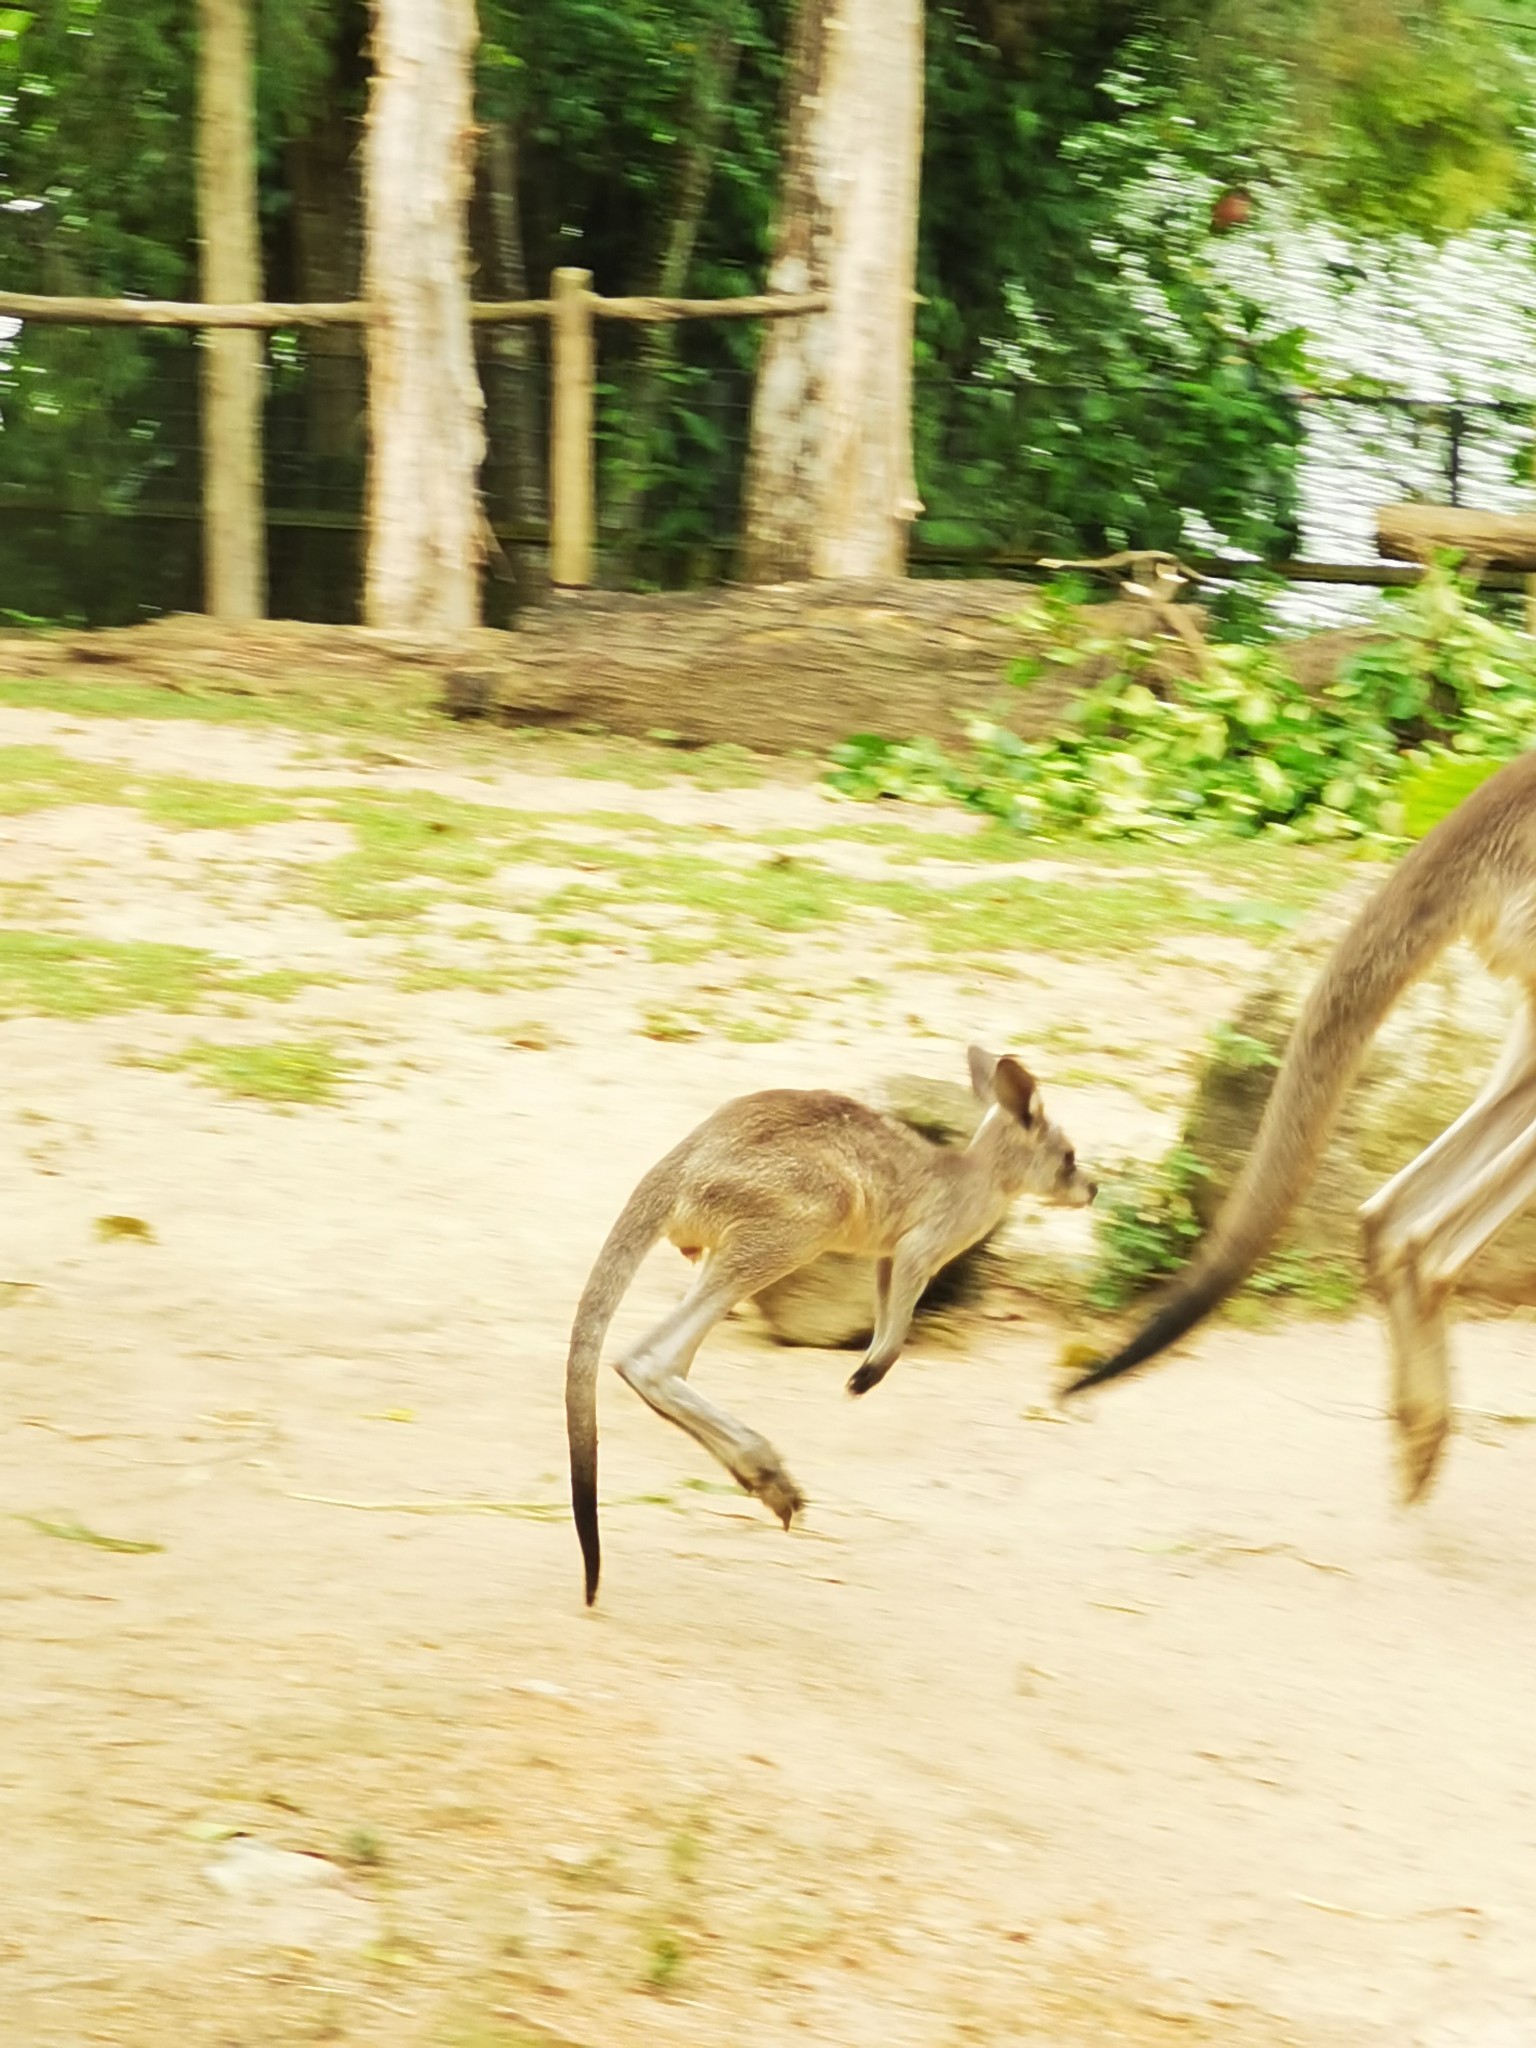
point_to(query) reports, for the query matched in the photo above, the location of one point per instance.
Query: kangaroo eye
(1069, 1164)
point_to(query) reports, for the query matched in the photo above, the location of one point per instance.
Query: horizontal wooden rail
(296, 518)
(173, 313)
(1372, 575)
(766, 306)
(67, 312)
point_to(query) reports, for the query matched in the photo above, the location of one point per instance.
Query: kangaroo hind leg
(658, 1366)
(1425, 1227)
(901, 1280)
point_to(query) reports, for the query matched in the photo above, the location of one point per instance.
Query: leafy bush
(1145, 1226)
(1232, 743)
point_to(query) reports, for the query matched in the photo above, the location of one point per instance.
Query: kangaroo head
(1034, 1157)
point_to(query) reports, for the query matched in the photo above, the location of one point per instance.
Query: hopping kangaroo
(765, 1185)
(1474, 878)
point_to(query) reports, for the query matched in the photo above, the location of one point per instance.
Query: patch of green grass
(675, 949)
(1020, 914)
(58, 974)
(413, 848)
(417, 973)
(722, 766)
(534, 1035)
(41, 778)
(754, 908)
(64, 974)
(394, 703)
(191, 806)
(671, 1023)
(276, 984)
(665, 1959)
(362, 1848)
(764, 1021)
(573, 935)
(294, 1070)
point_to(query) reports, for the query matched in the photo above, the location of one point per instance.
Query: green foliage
(1088, 380)
(1085, 375)
(1147, 1224)
(1145, 1227)
(1234, 743)
(96, 196)
(1410, 118)
(1432, 792)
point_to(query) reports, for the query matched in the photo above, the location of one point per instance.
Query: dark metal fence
(116, 537)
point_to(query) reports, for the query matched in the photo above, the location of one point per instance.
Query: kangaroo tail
(1393, 942)
(641, 1221)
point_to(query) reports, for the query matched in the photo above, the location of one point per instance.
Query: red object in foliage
(1231, 210)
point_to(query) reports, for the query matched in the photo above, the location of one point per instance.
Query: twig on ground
(1386, 1919)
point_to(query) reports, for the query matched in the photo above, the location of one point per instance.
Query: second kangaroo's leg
(657, 1368)
(1427, 1224)
(900, 1281)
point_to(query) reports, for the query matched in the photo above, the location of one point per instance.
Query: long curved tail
(1393, 942)
(640, 1223)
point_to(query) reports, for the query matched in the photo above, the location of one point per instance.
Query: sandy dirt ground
(1157, 1726)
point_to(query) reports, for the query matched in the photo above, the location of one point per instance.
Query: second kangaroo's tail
(1393, 941)
(641, 1222)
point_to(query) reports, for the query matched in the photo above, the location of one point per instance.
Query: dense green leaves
(1087, 375)
(1234, 743)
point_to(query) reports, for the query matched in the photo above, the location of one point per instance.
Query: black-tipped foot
(867, 1377)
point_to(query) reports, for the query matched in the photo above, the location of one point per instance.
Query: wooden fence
(573, 310)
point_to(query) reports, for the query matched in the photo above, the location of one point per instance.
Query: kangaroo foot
(767, 1478)
(867, 1376)
(1420, 1440)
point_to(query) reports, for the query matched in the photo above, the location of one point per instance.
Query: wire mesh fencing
(101, 468)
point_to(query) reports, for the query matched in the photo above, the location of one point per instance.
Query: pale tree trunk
(830, 489)
(426, 438)
(232, 362)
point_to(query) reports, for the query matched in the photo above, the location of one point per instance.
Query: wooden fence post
(572, 370)
(233, 361)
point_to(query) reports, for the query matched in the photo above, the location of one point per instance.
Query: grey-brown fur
(1472, 878)
(767, 1184)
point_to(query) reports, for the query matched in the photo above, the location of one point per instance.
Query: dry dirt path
(1158, 1727)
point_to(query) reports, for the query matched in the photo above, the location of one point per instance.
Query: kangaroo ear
(1016, 1090)
(983, 1065)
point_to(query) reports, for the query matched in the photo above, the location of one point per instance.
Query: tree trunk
(1494, 540)
(426, 439)
(711, 98)
(327, 261)
(232, 362)
(830, 489)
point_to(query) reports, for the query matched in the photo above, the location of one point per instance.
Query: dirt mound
(788, 669)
